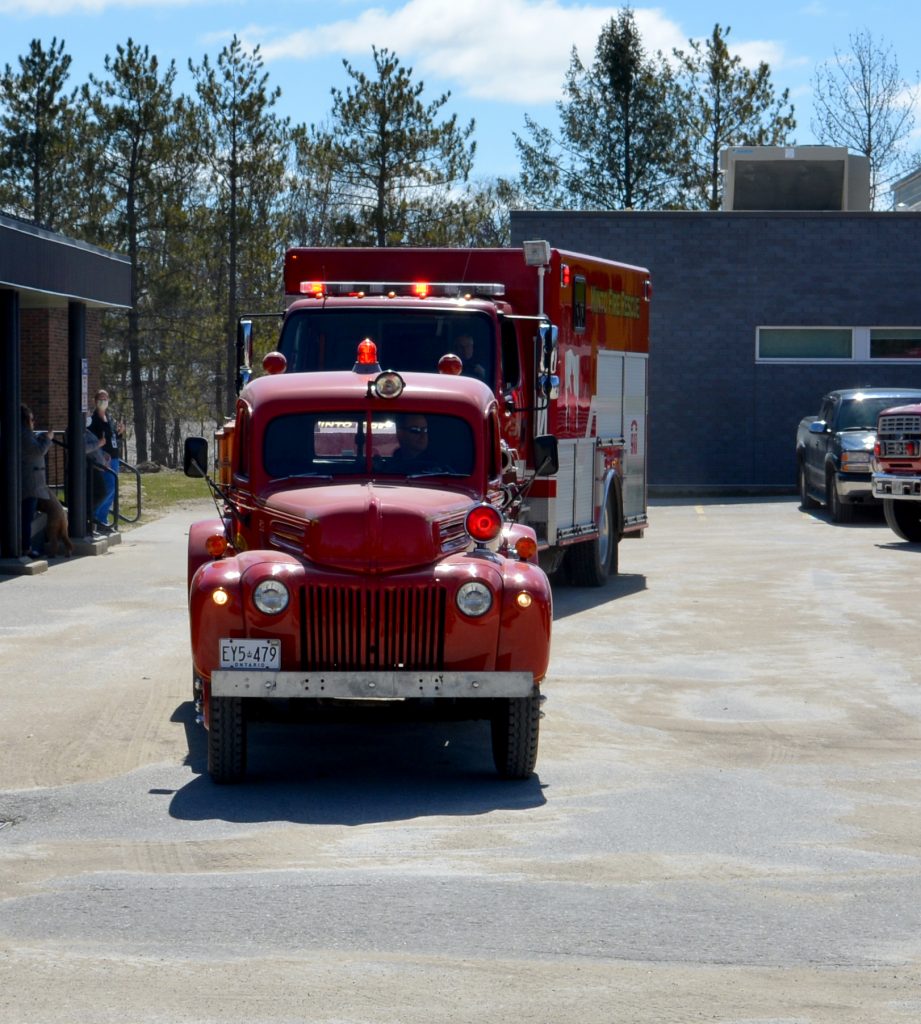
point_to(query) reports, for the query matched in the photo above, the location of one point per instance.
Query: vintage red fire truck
(897, 469)
(361, 556)
(584, 382)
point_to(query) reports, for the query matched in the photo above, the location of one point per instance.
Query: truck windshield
(323, 445)
(862, 413)
(327, 339)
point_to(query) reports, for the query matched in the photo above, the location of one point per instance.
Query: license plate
(241, 652)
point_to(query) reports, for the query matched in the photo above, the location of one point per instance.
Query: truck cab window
(332, 444)
(511, 366)
(324, 339)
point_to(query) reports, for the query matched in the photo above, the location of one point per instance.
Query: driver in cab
(413, 439)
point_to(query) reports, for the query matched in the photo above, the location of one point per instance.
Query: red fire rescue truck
(897, 470)
(361, 556)
(562, 339)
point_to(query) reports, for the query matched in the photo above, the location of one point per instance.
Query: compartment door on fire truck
(635, 368)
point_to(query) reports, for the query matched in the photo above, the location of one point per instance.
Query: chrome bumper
(894, 485)
(853, 486)
(370, 685)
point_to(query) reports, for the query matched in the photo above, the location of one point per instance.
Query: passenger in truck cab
(463, 345)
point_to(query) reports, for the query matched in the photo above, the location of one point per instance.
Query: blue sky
(499, 58)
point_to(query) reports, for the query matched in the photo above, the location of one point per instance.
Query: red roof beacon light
(421, 289)
(450, 364)
(314, 288)
(366, 360)
(274, 362)
(484, 523)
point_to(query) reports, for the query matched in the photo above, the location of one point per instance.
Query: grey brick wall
(716, 418)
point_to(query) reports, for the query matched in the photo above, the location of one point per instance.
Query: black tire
(839, 511)
(227, 740)
(591, 562)
(515, 724)
(805, 499)
(904, 519)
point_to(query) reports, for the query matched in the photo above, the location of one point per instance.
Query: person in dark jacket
(32, 466)
(103, 426)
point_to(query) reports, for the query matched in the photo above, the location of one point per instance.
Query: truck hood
(371, 527)
(857, 440)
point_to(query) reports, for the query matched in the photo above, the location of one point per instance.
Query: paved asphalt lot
(724, 827)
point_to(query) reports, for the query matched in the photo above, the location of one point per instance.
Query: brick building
(52, 292)
(754, 316)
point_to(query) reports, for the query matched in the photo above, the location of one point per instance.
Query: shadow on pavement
(569, 600)
(352, 772)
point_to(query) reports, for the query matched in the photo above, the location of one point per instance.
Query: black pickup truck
(834, 448)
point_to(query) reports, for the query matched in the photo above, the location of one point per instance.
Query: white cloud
(512, 50)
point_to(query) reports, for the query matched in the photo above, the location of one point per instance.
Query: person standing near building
(103, 426)
(33, 482)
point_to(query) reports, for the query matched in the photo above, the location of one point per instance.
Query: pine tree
(726, 104)
(38, 137)
(131, 185)
(618, 145)
(392, 162)
(246, 154)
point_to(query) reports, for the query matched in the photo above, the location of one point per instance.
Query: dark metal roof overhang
(50, 270)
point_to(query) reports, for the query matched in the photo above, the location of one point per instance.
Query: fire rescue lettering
(615, 304)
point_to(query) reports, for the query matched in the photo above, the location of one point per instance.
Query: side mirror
(195, 457)
(244, 353)
(549, 346)
(546, 455)
(818, 427)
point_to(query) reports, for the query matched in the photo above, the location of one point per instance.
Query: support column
(10, 399)
(76, 421)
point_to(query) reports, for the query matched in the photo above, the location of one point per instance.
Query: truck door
(816, 445)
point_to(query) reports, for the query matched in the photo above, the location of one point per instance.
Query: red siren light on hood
(366, 359)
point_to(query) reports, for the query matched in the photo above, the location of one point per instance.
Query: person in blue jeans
(104, 427)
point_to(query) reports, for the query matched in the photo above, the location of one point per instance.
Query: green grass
(160, 492)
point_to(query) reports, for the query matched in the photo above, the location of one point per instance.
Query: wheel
(227, 740)
(805, 499)
(515, 724)
(591, 562)
(904, 519)
(839, 511)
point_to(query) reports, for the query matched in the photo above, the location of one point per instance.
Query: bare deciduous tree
(862, 101)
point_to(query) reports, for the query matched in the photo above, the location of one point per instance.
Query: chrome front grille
(353, 627)
(899, 425)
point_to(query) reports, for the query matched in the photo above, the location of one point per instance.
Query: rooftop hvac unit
(794, 178)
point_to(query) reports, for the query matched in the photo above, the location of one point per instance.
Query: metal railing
(56, 475)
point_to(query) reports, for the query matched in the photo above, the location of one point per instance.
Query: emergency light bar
(402, 289)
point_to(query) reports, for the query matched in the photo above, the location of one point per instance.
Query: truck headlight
(271, 597)
(474, 599)
(855, 462)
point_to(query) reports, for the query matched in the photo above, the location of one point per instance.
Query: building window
(842, 344)
(805, 343)
(895, 343)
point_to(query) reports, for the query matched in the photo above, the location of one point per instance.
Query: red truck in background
(561, 339)
(896, 477)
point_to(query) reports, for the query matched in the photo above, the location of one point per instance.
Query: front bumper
(370, 685)
(854, 487)
(895, 485)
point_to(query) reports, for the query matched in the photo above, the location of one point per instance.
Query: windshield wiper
(435, 472)
(300, 476)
